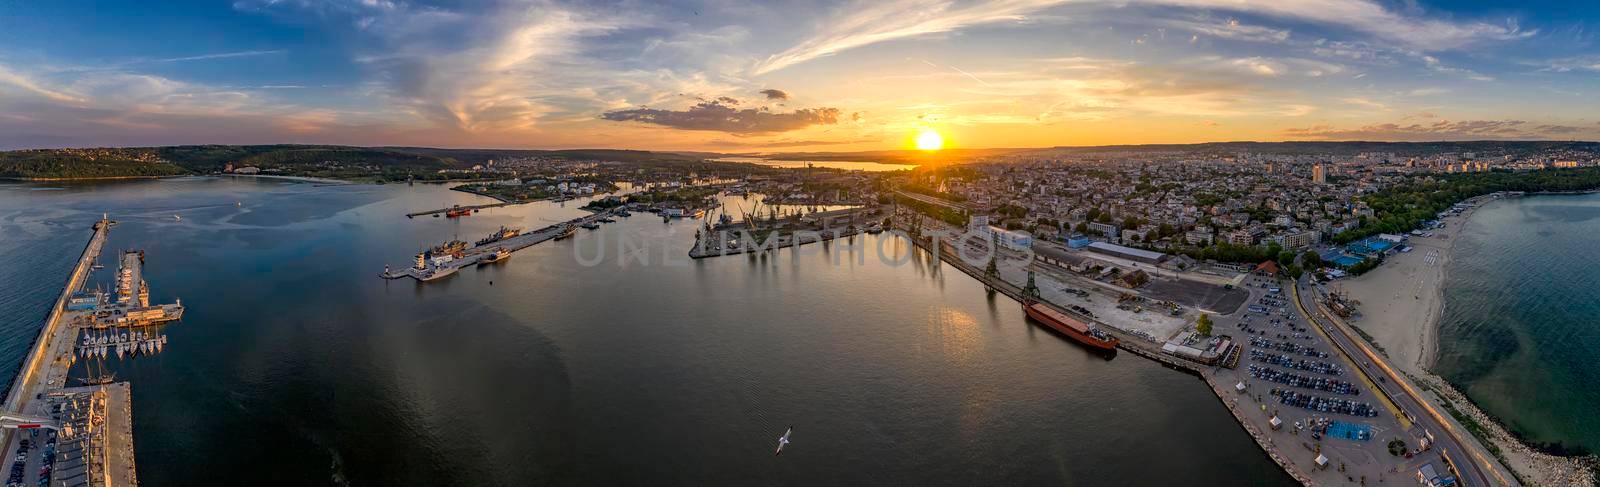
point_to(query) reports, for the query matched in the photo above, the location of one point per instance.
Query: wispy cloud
(9, 77)
(220, 55)
(1443, 130)
(866, 23)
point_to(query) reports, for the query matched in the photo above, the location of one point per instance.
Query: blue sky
(848, 75)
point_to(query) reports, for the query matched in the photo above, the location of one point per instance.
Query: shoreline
(1408, 332)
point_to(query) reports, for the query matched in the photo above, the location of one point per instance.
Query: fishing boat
(590, 225)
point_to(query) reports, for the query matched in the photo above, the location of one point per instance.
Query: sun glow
(929, 140)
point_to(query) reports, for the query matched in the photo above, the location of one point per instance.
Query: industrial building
(1130, 253)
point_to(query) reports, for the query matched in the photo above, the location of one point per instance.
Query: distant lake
(868, 166)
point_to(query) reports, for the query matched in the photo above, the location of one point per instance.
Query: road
(1473, 465)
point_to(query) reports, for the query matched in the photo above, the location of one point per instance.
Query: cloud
(1435, 64)
(1441, 130)
(720, 117)
(866, 23)
(1366, 103)
(775, 94)
(870, 22)
(1563, 65)
(1231, 29)
(9, 77)
(781, 143)
(220, 55)
(473, 67)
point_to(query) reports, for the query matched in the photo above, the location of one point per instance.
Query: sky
(814, 75)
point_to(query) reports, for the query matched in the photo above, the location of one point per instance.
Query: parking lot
(1290, 372)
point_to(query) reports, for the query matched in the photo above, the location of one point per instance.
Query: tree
(1203, 325)
(1312, 260)
(1286, 257)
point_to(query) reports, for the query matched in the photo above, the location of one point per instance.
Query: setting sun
(929, 140)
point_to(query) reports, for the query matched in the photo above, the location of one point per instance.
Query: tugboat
(457, 211)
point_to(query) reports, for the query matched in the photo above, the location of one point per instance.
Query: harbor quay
(1310, 407)
(60, 436)
(430, 267)
(752, 235)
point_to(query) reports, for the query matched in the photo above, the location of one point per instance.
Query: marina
(86, 431)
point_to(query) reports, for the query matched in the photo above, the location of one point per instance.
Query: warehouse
(1129, 253)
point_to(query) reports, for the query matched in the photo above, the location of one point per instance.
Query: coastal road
(1474, 466)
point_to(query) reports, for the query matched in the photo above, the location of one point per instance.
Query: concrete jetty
(58, 421)
(473, 255)
(467, 208)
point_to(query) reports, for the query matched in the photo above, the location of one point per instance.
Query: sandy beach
(1400, 306)
(1402, 300)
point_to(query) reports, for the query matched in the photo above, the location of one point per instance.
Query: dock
(473, 255)
(466, 208)
(737, 237)
(83, 434)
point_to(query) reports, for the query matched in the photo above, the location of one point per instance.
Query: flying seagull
(783, 440)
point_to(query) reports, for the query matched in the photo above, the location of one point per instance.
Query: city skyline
(845, 76)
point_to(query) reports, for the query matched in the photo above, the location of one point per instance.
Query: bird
(783, 440)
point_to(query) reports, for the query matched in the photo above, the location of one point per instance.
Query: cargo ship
(1082, 332)
(502, 234)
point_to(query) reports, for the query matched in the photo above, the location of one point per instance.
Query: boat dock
(469, 208)
(477, 253)
(98, 450)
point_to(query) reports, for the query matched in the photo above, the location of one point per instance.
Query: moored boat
(567, 231)
(437, 272)
(1077, 330)
(498, 255)
(502, 234)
